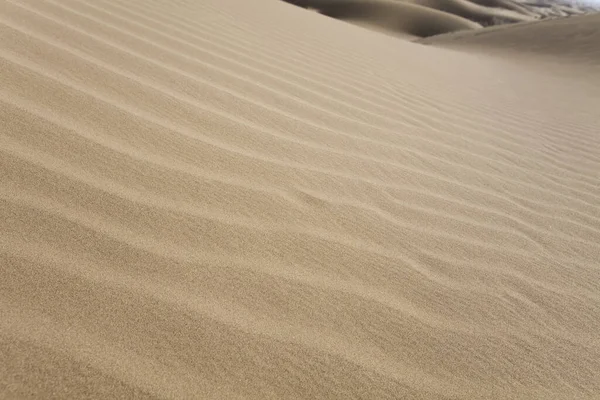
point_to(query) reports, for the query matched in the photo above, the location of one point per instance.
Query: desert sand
(231, 199)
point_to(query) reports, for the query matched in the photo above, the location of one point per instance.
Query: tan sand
(225, 199)
(405, 19)
(421, 18)
(474, 12)
(567, 41)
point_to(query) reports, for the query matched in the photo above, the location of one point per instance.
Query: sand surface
(426, 18)
(231, 199)
(549, 42)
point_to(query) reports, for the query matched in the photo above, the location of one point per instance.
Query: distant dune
(394, 17)
(566, 39)
(474, 12)
(232, 199)
(415, 17)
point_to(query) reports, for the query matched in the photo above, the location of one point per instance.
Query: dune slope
(571, 40)
(225, 199)
(396, 18)
(475, 12)
(421, 18)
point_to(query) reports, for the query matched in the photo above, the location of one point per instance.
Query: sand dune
(421, 18)
(507, 5)
(398, 18)
(226, 199)
(475, 12)
(427, 18)
(566, 40)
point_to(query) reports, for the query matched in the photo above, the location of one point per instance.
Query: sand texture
(231, 199)
(574, 41)
(426, 18)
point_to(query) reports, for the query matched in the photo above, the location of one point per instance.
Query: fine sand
(232, 199)
(425, 18)
(574, 41)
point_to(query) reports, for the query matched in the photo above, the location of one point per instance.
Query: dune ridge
(420, 18)
(207, 199)
(429, 18)
(398, 18)
(565, 40)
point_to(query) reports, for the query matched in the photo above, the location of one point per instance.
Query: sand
(230, 199)
(414, 19)
(565, 41)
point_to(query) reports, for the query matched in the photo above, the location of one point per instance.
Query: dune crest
(428, 18)
(569, 40)
(226, 199)
(397, 18)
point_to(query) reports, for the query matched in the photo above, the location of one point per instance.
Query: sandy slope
(564, 40)
(421, 18)
(403, 19)
(426, 18)
(228, 199)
